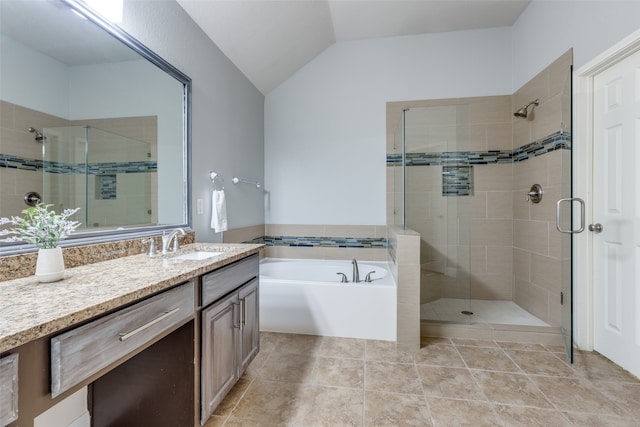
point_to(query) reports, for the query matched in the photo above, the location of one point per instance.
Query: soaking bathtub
(308, 297)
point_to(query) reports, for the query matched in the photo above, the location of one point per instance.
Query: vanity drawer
(224, 280)
(82, 352)
(8, 389)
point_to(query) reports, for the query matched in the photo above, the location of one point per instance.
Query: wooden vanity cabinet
(249, 325)
(230, 331)
(8, 389)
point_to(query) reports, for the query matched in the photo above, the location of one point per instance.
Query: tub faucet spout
(356, 272)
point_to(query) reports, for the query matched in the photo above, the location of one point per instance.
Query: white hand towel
(218, 211)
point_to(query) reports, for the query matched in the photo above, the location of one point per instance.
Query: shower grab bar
(582, 215)
(236, 180)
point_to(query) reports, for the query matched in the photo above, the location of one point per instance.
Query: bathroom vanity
(157, 340)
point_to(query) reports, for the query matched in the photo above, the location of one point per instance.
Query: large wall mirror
(89, 118)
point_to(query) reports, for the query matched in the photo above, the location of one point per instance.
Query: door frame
(583, 287)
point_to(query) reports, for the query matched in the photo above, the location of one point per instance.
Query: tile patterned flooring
(304, 380)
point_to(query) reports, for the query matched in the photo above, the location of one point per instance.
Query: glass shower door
(111, 178)
(436, 174)
(569, 221)
(64, 154)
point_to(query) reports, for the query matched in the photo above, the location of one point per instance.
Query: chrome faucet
(356, 272)
(166, 240)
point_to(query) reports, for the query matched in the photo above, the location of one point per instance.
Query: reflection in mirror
(89, 118)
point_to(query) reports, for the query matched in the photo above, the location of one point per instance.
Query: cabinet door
(220, 326)
(250, 325)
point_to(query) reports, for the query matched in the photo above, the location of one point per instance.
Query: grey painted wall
(227, 111)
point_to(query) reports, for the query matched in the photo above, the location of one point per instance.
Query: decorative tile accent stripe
(106, 187)
(555, 141)
(16, 162)
(457, 180)
(325, 242)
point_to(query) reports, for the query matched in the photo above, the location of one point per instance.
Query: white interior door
(616, 207)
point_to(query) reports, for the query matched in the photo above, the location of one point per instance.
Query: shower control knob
(32, 198)
(596, 228)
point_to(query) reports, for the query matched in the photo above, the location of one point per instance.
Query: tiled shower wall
(16, 141)
(502, 247)
(538, 249)
(19, 145)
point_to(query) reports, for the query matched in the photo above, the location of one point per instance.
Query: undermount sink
(198, 255)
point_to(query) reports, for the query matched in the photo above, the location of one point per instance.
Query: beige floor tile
(232, 398)
(327, 406)
(473, 343)
(257, 363)
(342, 347)
(599, 420)
(386, 351)
(626, 395)
(392, 377)
(596, 367)
(338, 372)
(576, 395)
(287, 367)
(238, 422)
(392, 410)
(454, 383)
(510, 389)
(459, 413)
(493, 359)
(269, 402)
(439, 355)
(518, 416)
(298, 343)
(215, 421)
(546, 363)
(555, 348)
(427, 341)
(506, 345)
(290, 384)
(268, 341)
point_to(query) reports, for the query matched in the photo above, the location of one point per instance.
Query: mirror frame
(92, 237)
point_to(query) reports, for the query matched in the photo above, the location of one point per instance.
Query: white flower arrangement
(40, 226)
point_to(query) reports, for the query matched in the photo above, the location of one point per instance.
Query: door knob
(596, 228)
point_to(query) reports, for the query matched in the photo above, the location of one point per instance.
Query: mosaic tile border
(17, 162)
(457, 181)
(324, 242)
(106, 187)
(556, 141)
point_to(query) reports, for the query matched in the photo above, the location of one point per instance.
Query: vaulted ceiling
(269, 40)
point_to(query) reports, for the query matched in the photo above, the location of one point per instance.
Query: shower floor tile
(484, 311)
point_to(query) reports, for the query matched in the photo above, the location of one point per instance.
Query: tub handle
(368, 276)
(344, 278)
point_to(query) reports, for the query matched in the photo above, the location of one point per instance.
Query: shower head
(522, 112)
(39, 136)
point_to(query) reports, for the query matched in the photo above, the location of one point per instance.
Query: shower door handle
(582, 215)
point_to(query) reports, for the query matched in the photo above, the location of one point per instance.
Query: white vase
(50, 265)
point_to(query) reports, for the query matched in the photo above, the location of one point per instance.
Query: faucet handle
(176, 243)
(152, 246)
(368, 276)
(344, 278)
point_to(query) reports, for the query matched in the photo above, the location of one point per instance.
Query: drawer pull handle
(125, 336)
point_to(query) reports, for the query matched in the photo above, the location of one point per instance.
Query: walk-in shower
(463, 175)
(111, 178)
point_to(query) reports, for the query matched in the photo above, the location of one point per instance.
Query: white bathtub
(307, 297)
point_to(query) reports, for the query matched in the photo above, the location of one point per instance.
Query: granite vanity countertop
(30, 310)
